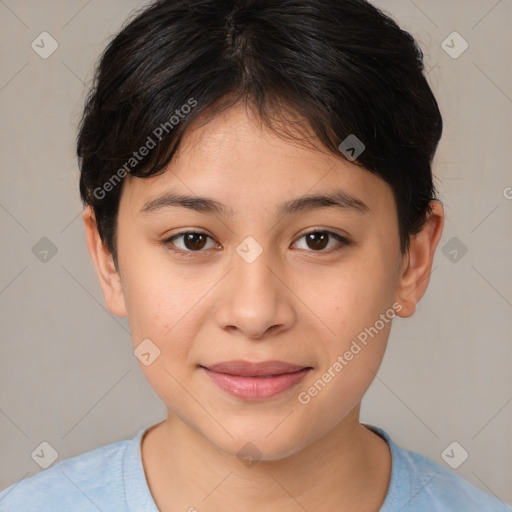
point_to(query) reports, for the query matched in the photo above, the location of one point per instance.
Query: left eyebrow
(338, 199)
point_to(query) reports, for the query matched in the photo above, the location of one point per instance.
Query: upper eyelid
(342, 238)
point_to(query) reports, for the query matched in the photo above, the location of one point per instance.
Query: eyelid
(320, 229)
(168, 241)
(343, 240)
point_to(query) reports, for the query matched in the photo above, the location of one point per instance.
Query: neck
(346, 470)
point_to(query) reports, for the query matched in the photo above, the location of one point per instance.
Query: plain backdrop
(68, 375)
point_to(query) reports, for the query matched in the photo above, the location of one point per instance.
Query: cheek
(353, 298)
(163, 317)
(340, 383)
(168, 307)
(157, 299)
(357, 308)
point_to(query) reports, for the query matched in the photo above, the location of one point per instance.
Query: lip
(255, 380)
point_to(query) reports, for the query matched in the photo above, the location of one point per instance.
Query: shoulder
(86, 482)
(419, 484)
(434, 484)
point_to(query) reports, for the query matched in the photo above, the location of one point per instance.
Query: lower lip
(256, 388)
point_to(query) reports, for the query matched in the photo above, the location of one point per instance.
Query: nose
(254, 300)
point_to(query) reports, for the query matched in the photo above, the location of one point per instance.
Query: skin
(294, 303)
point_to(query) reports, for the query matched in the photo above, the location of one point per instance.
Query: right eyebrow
(197, 203)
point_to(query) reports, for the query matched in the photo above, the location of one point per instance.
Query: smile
(255, 381)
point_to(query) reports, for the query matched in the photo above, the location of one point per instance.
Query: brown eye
(317, 241)
(192, 241)
(196, 241)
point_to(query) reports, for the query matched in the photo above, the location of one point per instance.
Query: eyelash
(168, 242)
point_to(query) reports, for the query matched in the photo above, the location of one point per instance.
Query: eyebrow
(337, 199)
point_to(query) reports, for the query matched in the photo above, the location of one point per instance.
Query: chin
(259, 440)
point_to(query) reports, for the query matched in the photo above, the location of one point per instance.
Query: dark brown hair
(344, 67)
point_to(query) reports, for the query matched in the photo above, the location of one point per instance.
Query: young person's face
(302, 301)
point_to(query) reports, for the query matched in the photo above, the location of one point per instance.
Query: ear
(417, 262)
(103, 260)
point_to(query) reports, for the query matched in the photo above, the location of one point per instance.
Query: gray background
(67, 372)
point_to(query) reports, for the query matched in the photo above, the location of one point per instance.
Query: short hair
(343, 67)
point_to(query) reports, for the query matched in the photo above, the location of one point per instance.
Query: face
(265, 277)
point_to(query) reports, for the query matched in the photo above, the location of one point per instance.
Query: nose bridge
(254, 300)
(252, 267)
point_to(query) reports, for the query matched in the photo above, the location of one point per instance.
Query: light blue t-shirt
(111, 479)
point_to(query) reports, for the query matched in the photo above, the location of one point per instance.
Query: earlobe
(417, 263)
(103, 260)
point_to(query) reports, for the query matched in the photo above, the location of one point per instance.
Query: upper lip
(253, 369)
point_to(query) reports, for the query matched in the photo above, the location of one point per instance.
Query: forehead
(243, 164)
